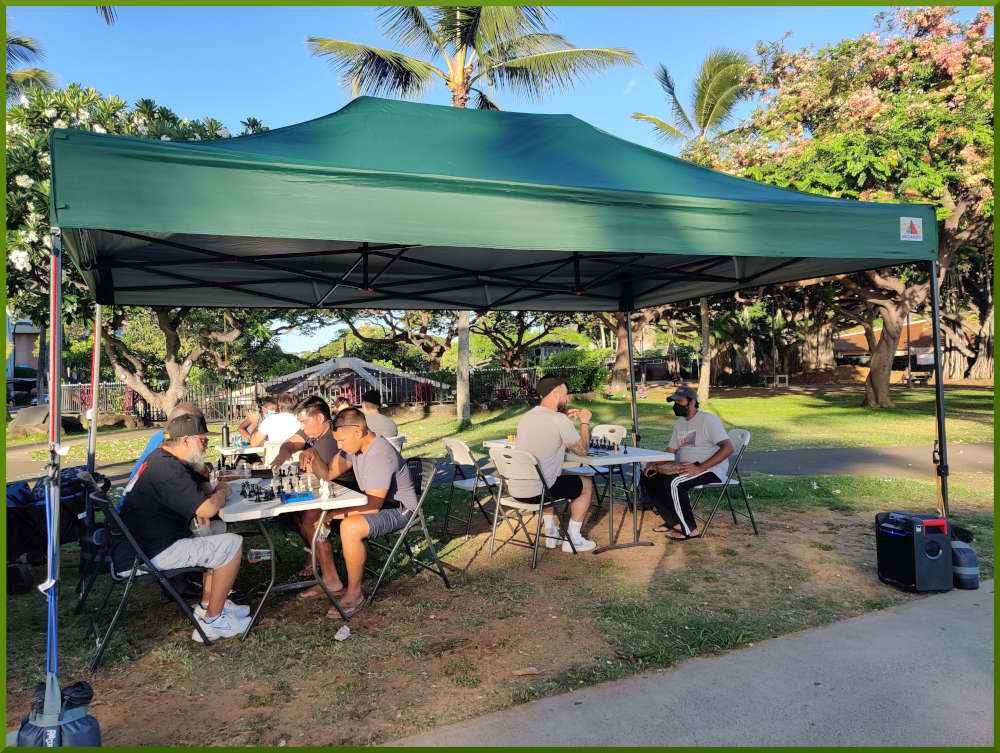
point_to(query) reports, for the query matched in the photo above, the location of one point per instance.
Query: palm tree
(482, 49)
(107, 12)
(252, 125)
(24, 50)
(716, 90)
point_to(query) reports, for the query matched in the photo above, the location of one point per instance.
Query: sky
(233, 62)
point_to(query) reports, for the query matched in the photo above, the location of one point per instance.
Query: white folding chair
(397, 441)
(740, 439)
(462, 456)
(518, 465)
(613, 434)
(270, 451)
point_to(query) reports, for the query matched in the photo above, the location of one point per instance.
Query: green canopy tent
(387, 204)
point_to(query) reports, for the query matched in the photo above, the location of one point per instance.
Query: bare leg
(324, 557)
(579, 506)
(353, 530)
(222, 579)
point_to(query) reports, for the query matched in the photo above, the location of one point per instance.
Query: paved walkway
(920, 674)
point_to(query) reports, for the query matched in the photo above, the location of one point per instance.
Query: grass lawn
(780, 422)
(43, 436)
(423, 656)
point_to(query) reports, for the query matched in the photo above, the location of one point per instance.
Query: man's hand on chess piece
(306, 460)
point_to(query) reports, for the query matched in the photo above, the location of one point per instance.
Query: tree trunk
(705, 372)
(982, 367)
(816, 348)
(880, 368)
(462, 407)
(619, 372)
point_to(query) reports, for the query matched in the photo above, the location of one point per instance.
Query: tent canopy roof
(388, 204)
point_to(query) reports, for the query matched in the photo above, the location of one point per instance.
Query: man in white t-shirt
(279, 420)
(547, 432)
(702, 446)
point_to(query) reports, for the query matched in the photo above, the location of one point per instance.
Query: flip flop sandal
(683, 536)
(310, 594)
(333, 614)
(664, 528)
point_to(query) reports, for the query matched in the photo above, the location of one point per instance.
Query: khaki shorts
(200, 551)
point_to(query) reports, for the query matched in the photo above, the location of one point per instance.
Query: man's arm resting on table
(244, 428)
(375, 499)
(288, 448)
(211, 506)
(336, 468)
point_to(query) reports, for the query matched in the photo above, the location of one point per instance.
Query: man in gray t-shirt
(384, 426)
(383, 476)
(546, 431)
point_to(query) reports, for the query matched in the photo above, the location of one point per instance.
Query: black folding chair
(422, 472)
(122, 541)
(740, 439)
(518, 465)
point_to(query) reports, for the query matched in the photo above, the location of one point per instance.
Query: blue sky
(233, 62)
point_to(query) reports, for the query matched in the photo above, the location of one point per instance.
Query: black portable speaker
(913, 551)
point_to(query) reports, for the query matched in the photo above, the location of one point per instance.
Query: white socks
(574, 529)
(548, 522)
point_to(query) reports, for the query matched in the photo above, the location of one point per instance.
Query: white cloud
(630, 85)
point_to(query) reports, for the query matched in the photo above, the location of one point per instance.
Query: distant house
(22, 336)
(541, 352)
(851, 347)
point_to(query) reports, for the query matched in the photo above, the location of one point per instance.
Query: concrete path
(920, 674)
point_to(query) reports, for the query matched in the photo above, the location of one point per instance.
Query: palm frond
(661, 128)
(22, 50)
(483, 102)
(407, 25)
(108, 12)
(540, 74)
(21, 80)
(717, 87)
(371, 70)
(484, 27)
(528, 44)
(681, 118)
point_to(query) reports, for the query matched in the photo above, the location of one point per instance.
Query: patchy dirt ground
(423, 656)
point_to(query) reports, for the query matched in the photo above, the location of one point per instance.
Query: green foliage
(402, 356)
(582, 369)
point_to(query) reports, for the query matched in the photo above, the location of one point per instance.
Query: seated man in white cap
(547, 432)
(702, 446)
(162, 500)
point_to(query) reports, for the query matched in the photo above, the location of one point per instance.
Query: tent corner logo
(911, 228)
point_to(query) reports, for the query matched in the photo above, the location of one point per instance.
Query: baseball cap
(684, 391)
(546, 384)
(187, 425)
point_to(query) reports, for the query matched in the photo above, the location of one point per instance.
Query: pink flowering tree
(903, 114)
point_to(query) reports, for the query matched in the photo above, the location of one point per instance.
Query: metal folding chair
(518, 465)
(142, 566)
(740, 439)
(397, 441)
(422, 472)
(461, 456)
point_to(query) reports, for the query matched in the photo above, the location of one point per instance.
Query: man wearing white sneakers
(547, 432)
(163, 499)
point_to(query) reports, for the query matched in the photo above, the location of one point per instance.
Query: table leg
(322, 517)
(632, 497)
(270, 584)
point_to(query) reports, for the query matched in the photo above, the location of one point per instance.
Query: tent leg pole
(50, 587)
(940, 456)
(631, 496)
(95, 375)
(631, 380)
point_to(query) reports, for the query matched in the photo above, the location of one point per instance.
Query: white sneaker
(552, 537)
(223, 626)
(581, 544)
(236, 610)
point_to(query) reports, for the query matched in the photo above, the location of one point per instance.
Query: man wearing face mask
(164, 497)
(702, 448)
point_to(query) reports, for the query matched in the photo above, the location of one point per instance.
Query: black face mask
(680, 410)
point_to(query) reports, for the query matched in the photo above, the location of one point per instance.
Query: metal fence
(231, 401)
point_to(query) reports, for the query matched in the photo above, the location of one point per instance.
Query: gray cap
(684, 391)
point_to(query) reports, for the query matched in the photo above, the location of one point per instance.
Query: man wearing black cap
(383, 426)
(163, 498)
(547, 432)
(702, 447)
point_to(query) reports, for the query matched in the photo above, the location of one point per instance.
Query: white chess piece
(324, 489)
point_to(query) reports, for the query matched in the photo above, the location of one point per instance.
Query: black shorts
(567, 486)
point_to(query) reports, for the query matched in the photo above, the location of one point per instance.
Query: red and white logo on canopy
(911, 228)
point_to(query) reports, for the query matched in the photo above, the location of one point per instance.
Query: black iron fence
(230, 401)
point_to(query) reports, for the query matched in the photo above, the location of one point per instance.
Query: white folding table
(625, 455)
(239, 509)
